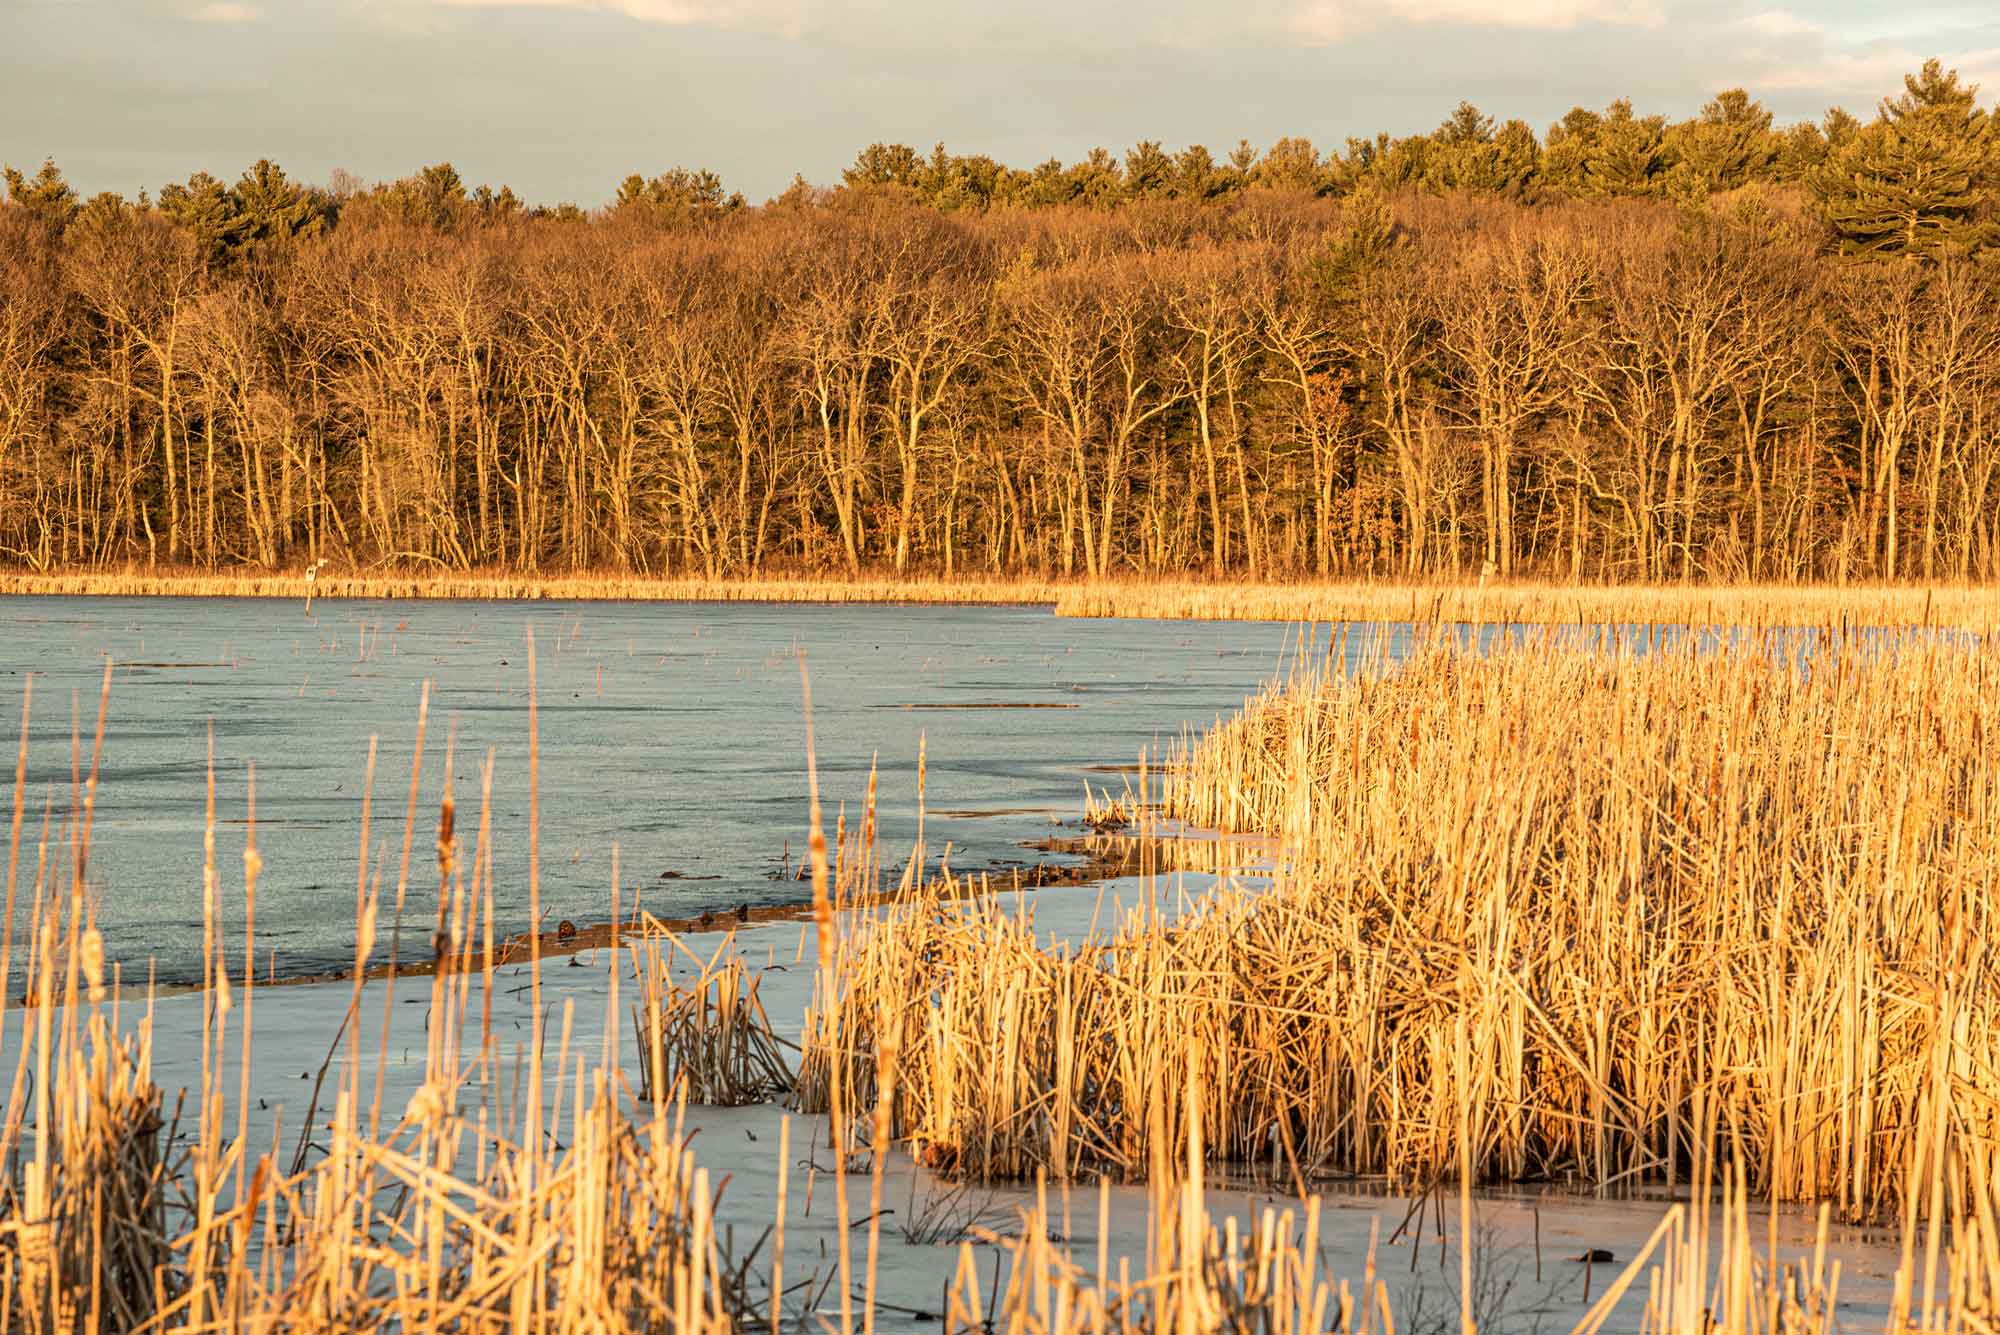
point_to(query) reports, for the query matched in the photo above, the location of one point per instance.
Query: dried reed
(1965, 606)
(1552, 911)
(446, 1217)
(708, 1040)
(1542, 914)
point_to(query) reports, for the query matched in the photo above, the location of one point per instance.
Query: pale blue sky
(560, 99)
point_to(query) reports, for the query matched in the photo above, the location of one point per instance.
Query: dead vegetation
(499, 1199)
(1599, 906)
(1965, 606)
(1550, 911)
(707, 1040)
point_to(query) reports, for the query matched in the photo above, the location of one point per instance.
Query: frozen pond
(1526, 1241)
(674, 731)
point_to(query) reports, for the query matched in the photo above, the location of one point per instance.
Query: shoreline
(1949, 604)
(1106, 857)
(504, 586)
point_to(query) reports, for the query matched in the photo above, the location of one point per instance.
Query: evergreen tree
(1571, 143)
(1727, 146)
(435, 197)
(1196, 175)
(1468, 153)
(1240, 169)
(210, 213)
(1516, 157)
(1097, 180)
(1626, 159)
(1049, 185)
(968, 181)
(884, 164)
(275, 207)
(1344, 172)
(1801, 152)
(1366, 234)
(1148, 170)
(1838, 127)
(45, 195)
(1290, 164)
(674, 198)
(1461, 152)
(1918, 178)
(493, 205)
(105, 212)
(1401, 162)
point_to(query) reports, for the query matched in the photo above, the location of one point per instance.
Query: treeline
(1631, 350)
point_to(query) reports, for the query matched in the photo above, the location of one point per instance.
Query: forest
(1625, 349)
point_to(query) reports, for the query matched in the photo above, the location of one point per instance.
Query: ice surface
(674, 731)
(292, 1027)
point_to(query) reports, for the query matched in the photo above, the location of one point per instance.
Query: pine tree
(106, 212)
(1097, 180)
(45, 195)
(210, 213)
(1196, 175)
(673, 198)
(276, 208)
(1291, 164)
(1627, 157)
(1917, 179)
(884, 164)
(1148, 170)
(1728, 146)
(1049, 185)
(1802, 150)
(493, 205)
(1240, 169)
(1517, 158)
(1571, 143)
(1401, 162)
(1366, 235)
(1461, 152)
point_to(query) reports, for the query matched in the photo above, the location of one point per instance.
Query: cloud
(1869, 72)
(1067, 22)
(787, 18)
(227, 11)
(1321, 22)
(1778, 23)
(1852, 62)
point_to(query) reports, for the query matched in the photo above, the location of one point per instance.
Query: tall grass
(1553, 913)
(709, 1039)
(599, 587)
(1749, 883)
(1548, 912)
(1965, 606)
(454, 1215)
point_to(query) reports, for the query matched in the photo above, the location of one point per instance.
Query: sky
(562, 99)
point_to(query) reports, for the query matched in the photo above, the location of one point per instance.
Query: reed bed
(1195, 1277)
(586, 587)
(1758, 875)
(1964, 606)
(709, 1040)
(1703, 1271)
(1554, 913)
(1304, 1031)
(498, 1199)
